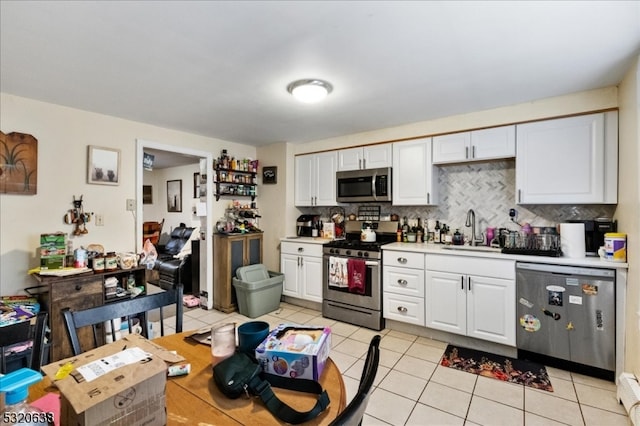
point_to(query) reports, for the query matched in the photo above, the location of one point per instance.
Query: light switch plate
(131, 204)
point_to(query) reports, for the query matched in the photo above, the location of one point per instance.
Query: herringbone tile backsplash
(489, 189)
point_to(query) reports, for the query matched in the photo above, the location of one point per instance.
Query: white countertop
(593, 262)
(311, 240)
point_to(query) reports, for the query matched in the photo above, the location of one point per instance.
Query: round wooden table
(195, 398)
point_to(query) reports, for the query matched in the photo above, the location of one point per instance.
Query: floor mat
(497, 367)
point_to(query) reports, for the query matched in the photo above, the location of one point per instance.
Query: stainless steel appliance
(566, 316)
(305, 224)
(594, 230)
(357, 186)
(340, 302)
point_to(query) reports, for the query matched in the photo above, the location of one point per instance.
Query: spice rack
(237, 178)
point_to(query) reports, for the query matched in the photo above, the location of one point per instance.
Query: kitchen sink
(474, 248)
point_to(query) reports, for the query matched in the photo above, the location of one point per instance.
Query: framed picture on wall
(147, 194)
(196, 185)
(103, 167)
(270, 175)
(174, 195)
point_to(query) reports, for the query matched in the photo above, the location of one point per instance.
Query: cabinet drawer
(76, 288)
(403, 281)
(481, 266)
(403, 258)
(403, 308)
(301, 249)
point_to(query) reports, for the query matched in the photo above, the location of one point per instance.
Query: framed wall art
(174, 195)
(270, 174)
(103, 167)
(147, 194)
(196, 185)
(18, 164)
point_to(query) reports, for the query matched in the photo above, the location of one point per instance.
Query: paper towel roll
(572, 240)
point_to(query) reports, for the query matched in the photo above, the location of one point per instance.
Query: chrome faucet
(471, 221)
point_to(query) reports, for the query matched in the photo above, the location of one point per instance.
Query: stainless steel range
(360, 306)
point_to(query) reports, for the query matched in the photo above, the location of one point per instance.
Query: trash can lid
(252, 273)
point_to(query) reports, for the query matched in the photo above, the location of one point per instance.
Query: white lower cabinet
(403, 287)
(472, 296)
(301, 264)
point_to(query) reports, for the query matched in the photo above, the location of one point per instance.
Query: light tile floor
(411, 388)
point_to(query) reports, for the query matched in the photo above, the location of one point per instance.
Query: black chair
(353, 413)
(140, 305)
(23, 332)
(171, 270)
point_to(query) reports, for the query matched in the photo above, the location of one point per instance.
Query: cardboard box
(52, 262)
(131, 394)
(298, 351)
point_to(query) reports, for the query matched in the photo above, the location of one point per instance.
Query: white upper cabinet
(477, 145)
(414, 177)
(315, 179)
(368, 157)
(568, 161)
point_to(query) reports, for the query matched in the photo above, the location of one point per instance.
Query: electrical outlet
(99, 220)
(131, 204)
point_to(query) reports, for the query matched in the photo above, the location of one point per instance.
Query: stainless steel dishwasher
(567, 313)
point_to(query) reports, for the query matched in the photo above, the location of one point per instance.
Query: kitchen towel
(572, 240)
(356, 274)
(338, 272)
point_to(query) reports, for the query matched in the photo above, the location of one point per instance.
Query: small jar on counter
(111, 262)
(98, 263)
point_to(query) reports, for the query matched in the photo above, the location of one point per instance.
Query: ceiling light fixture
(310, 90)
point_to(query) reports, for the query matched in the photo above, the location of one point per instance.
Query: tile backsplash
(489, 189)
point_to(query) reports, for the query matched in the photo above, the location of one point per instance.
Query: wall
(158, 210)
(63, 136)
(629, 206)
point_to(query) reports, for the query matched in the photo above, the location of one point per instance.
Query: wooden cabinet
(301, 264)
(403, 286)
(368, 157)
(568, 161)
(315, 179)
(472, 296)
(414, 177)
(477, 145)
(78, 292)
(230, 252)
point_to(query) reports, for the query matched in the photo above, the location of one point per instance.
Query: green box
(52, 262)
(59, 240)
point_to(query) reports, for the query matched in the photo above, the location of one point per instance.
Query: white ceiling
(221, 69)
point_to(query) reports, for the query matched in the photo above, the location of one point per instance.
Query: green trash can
(258, 291)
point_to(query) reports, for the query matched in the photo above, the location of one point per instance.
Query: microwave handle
(373, 185)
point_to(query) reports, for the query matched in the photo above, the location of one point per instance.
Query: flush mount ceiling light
(309, 90)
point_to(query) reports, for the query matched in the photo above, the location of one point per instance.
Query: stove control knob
(348, 252)
(332, 251)
(359, 254)
(366, 254)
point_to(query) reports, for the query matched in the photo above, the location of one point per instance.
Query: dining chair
(128, 308)
(31, 331)
(353, 413)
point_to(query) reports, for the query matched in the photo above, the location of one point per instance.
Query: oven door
(372, 297)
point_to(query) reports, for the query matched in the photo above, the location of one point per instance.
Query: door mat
(497, 367)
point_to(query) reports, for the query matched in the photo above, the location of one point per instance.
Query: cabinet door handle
(469, 283)
(473, 151)
(402, 309)
(302, 261)
(518, 195)
(461, 282)
(364, 163)
(402, 260)
(78, 287)
(402, 282)
(298, 260)
(428, 198)
(466, 152)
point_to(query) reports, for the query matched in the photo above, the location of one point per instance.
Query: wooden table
(196, 399)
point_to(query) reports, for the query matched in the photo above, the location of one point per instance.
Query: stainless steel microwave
(358, 186)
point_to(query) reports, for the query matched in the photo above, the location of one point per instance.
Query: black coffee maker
(594, 230)
(305, 224)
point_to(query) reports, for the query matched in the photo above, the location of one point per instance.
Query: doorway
(179, 156)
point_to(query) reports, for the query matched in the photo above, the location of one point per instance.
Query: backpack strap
(261, 386)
